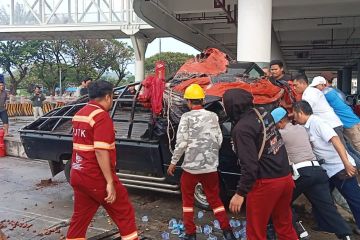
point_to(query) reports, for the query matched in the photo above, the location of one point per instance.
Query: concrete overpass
(308, 35)
(74, 19)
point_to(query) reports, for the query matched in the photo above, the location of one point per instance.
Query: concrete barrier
(14, 147)
(25, 109)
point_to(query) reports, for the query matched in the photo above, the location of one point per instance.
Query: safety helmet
(194, 91)
(278, 114)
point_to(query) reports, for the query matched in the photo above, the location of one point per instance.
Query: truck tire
(200, 198)
(67, 170)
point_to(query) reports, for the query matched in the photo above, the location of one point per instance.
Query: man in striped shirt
(93, 175)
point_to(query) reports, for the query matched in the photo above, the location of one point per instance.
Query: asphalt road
(41, 209)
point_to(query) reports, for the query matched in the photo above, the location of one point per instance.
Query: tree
(16, 58)
(173, 61)
(50, 61)
(123, 55)
(94, 57)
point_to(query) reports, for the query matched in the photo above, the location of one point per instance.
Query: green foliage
(173, 61)
(42, 62)
(16, 58)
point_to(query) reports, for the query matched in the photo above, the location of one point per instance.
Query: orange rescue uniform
(93, 129)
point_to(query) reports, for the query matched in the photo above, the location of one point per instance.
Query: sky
(168, 44)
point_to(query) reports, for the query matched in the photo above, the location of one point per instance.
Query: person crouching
(199, 137)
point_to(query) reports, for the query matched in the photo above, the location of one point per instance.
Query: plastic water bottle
(216, 224)
(181, 226)
(175, 231)
(207, 229)
(243, 223)
(237, 234)
(165, 236)
(232, 223)
(200, 214)
(242, 233)
(173, 223)
(211, 237)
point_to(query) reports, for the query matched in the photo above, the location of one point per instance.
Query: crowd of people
(284, 153)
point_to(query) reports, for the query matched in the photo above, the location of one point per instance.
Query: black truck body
(143, 155)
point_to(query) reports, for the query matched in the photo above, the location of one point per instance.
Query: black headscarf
(236, 103)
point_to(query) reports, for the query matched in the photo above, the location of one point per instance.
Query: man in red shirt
(93, 175)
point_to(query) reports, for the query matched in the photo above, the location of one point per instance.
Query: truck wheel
(67, 170)
(200, 198)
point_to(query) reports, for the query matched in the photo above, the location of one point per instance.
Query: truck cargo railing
(51, 121)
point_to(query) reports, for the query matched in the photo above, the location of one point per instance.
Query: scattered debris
(46, 183)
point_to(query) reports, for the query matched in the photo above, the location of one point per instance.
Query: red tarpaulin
(263, 90)
(213, 62)
(202, 81)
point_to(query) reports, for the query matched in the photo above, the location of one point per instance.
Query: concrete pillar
(346, 80)
(339, 79)
(275, 48)
(139, 45)
(358, 77)
(254, 31)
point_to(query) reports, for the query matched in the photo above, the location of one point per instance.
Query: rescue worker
(93, 175)
(199, 137)
(310, 179)
(339, 165)
(265, 172)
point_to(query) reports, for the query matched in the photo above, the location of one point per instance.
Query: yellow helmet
(194, 91)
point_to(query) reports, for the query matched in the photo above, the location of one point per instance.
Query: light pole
(60, 87)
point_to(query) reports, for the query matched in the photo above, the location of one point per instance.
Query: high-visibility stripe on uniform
(87, 119)
(219, 209)
(83, 147)
(130, 236)
(188, 209)
(104, 145)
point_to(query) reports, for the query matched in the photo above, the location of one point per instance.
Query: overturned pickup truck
(144, 140)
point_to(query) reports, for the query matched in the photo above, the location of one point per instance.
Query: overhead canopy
(312, 35)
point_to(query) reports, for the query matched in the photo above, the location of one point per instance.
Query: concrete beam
(319, 23)
(321, 9)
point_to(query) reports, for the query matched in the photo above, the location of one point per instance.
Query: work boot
(228, 235)
(190, 236)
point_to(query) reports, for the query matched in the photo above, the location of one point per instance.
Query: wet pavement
(33, 207)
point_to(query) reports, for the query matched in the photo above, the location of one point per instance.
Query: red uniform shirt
(92, 129)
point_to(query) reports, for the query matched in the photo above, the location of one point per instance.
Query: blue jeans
(350, 190)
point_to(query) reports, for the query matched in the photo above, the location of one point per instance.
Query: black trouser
(314, 184)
